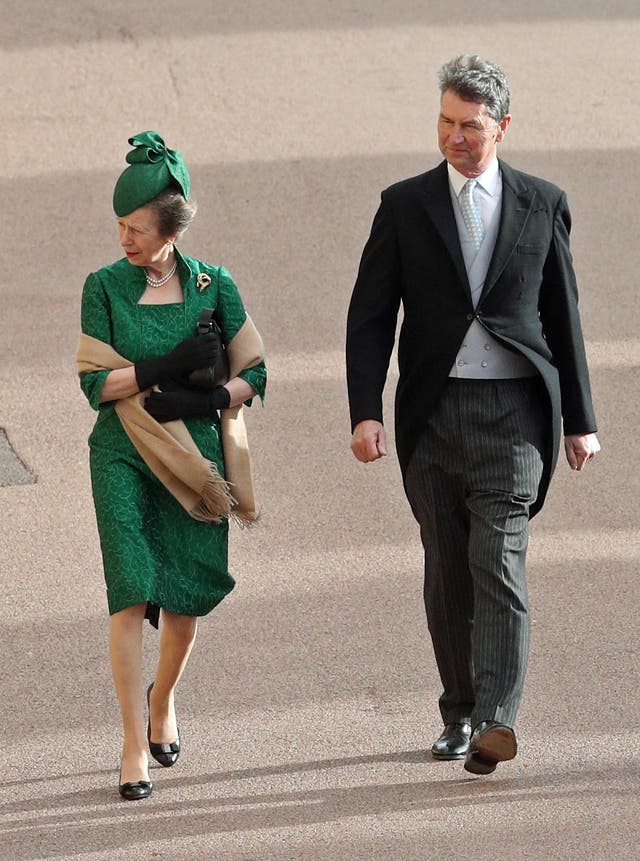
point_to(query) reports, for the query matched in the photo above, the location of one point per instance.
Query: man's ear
(504, 124)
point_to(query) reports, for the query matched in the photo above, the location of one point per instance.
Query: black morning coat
(529, 303)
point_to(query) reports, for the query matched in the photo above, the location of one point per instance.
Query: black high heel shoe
(135, 790)
(166, 754)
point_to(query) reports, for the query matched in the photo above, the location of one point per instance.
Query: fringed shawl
(169, 450)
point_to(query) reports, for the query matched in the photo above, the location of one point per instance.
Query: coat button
(470, 317)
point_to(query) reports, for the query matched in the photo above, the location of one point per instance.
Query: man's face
(467, 135)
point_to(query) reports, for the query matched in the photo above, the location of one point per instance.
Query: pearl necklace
(158, 282)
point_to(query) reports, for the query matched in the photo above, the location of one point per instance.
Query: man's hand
(369, 441)
(580, 448)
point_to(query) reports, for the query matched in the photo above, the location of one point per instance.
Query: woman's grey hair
(476, 80)
(173, 211)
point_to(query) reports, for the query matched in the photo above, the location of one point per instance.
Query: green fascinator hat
(152, 168)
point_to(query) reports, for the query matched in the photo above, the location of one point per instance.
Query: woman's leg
(125, 650)
(177, 636)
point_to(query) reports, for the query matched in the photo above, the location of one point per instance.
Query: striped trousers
(470, 483)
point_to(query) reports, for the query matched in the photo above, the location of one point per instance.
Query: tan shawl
(169, 450)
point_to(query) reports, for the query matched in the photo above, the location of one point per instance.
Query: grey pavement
(310, 702)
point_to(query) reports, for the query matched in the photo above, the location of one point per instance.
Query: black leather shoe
(136, 791)
(454, 741)
(166, 754)
(491, 743)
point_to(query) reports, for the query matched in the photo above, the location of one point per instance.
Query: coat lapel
(517, 199)
(436, 198)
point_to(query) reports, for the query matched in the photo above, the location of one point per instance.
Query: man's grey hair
(476, 80)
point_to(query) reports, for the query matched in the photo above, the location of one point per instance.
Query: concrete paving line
(363, 728)
(319, 570)
(565, 765)
(615, 545)
(329, 365)
(295, 63)
(215, 800)
(102, 814)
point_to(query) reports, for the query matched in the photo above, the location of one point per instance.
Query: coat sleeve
(232, 315)
(560, 319)
(95, 320)
(372, 316)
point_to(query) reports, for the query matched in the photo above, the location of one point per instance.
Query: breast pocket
(532, 248)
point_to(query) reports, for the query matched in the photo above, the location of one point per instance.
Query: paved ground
(311, 698)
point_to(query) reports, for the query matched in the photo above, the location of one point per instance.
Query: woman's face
(140, 239)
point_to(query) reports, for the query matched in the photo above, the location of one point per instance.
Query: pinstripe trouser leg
(470, 483)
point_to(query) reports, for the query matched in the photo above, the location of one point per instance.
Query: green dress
(153, 552)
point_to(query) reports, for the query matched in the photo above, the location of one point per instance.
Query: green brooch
(203, 281)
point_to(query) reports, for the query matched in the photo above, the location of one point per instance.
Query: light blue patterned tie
(471, 213)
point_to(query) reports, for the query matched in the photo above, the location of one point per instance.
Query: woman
(160, 449)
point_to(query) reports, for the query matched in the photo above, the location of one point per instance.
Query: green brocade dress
(153, 552)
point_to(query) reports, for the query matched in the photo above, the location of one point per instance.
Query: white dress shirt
(481, 356)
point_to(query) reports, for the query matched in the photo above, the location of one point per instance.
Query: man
(492, 363)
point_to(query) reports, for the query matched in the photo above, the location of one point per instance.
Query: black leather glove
(189, 355)
(186, 403)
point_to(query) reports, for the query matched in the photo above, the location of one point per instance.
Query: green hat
(152, 168)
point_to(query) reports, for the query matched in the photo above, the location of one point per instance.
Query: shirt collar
(489, 180)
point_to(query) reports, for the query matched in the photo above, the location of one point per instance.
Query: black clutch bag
(218, 374)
